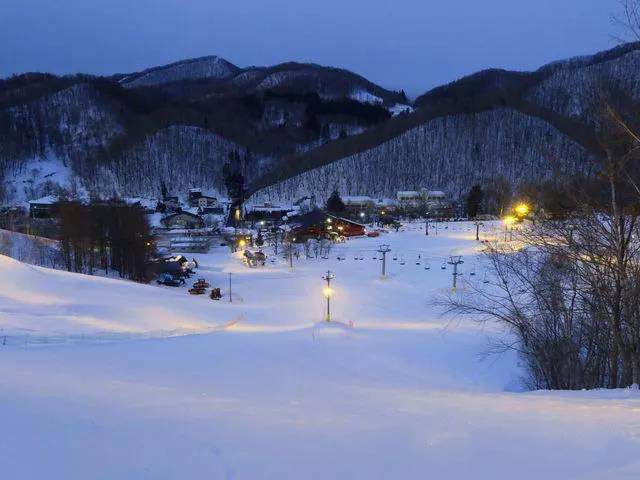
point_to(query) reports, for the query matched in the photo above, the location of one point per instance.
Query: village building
(43, 207)
(356, 204)
(183, 220)
(207, 202)
(318, 223)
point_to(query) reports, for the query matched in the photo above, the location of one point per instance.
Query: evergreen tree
(259, 239)
(474, 201)
(335, 203)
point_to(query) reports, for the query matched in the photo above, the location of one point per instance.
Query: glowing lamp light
(522, 209)
(361, 214)
(340, 228)
(329, 227)
(242, 243)
(327, 292)
(328, 220)
(382, 212)
(509, 220)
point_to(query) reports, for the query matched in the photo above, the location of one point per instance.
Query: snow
(402, 393)
(399, 108)
(34, 177)
(210, 67)
(365, 97)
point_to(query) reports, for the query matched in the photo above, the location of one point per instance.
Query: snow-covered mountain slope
(181, 156)
(41, 301)
(516, 125)
(209, 68)
(451, 153)
(293, 118)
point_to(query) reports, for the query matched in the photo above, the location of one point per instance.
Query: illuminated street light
(361, 214)
(522, 210)
(327, 293)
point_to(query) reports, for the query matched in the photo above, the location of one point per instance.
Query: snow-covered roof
(48, 200)
(408, 194)
(356, 199)
(436, 193)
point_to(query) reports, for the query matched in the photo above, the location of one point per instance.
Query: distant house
(183, 220)
(319, 223)
(172, 204)
(433, 195)
(194, 195)
(43, 207)
(358, 203)
(206, 202)
(211, 211)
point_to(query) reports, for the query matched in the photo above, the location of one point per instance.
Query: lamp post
(327, 293)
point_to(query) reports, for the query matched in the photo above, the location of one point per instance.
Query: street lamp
(522, 209)
(327, 293)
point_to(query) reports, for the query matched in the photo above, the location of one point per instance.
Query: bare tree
(628, 19)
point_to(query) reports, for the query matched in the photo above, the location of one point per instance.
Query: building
(207, 202)
(183, 220)
(43, 207)
(409, 197)
(321, 224)
(433, 195)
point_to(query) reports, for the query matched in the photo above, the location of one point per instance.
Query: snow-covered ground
(401, 393)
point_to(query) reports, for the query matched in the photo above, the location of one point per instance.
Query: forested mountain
(491, 126)
(299, 129)
(177, 124)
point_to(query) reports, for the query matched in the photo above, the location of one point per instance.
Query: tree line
(111, 238)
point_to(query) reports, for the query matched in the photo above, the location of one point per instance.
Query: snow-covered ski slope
(42, 303)
(401, 394)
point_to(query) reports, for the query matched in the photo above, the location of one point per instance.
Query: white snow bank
(41, 301)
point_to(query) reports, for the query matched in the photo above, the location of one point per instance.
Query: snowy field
(389, 390)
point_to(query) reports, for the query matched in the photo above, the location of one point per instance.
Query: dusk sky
(410, 44)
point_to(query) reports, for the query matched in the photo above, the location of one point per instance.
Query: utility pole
(426, 226)
(230, 300)
(384, 249)
(327, 293)
(291, 255)
(455, 261)
(478, 230)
